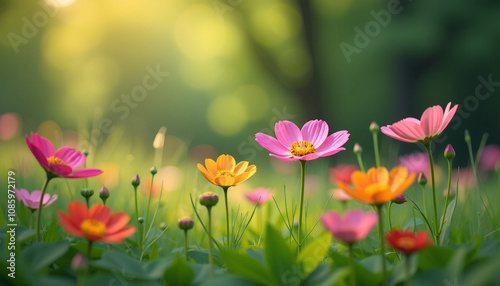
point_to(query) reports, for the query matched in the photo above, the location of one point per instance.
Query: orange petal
(224, 181)
(403, 186)
(359, 179)
(240, 168)
(357, 194)
(397, 176)
(379, 175)
(100, 213)
(117, 222)
(68, 224)
(205, 174)
(119, 236)
(226, 162)
(383, 197)
(78, 212)
(211, 167)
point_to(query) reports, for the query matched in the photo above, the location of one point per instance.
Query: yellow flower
(225, 172)
(378, 186)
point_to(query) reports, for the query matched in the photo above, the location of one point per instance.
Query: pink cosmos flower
(431, 124)
(342, 173)
(32, 201)
(355, 225)
(262, 193)
(61, 163)
(416, 163)
(490, 158)
(307, 144)
(341, 195)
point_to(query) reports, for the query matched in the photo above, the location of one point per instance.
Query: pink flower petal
(271, 144)
(43, 145)
(51, 201)
(388, 131)
(71, 157)
(84, 173)
(431, 121)
(60, 169)
(448, 115)
(408, 130)
(332, 143)
(39, 156)
(315, 131)
(287, 133)
(284, 158)
(331, 221)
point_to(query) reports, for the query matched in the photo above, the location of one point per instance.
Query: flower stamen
(55, 160)
(302, 148)
(93, 227)
(405, 242)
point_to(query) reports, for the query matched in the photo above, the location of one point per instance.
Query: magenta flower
(61, 163)
(431, 124)
(490, 158)
(307, 144)
(262, 193)
(32, 201)
(355, 225)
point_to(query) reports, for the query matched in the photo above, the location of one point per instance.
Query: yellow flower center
(55, 160)
(93, 227)
(226, 173)
(376, 188)
(302, 148)
(405, 242)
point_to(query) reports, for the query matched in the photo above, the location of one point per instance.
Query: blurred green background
(217, 72)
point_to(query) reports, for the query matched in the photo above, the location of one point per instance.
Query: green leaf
(314, 253)
(279, 257)
(434, 256)
(115, 279)
(484, 273)
(154, 252)
(201, 256)
(323, 275)
(2, 218)
(399, 273)
(42, 254)
(247, 267)
(51, 234)
(127, 267)
(363, 275)
(179, 273)
(457, 262)
(82, 247)
(229, 279)
(412, 223)
(445, 229)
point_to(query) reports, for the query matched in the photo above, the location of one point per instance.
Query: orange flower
(378, 186)
(225, 172)
(96, 224)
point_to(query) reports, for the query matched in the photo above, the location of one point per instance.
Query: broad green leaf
(457, 262)
(248, 267)
(434, 256)
(201, 257)
(118, 280)
(229, 279)
(399, 273)
(82, 247)
(445, 232)
(485, 273)
(323, 275)
(125, 266)
(154, 252)
(179, 273)
(22, 233)
(412, 223)
(51, 234)
(42, 254)
(279, 257)
(363, 275)
(314, 253)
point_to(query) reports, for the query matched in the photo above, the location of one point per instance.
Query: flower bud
(209, 199)
(140, 219)
(185, 223)
(422, 180)
(467, 136)
(136, 181)
(86, 153)
(449, 152)
(87, 193)
(153, 170)
(79, 263)
(162, 226)
(357, 149)
(104, 193)
(374, 127)
(399, 200)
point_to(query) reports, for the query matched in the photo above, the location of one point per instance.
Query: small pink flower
(431, 124)
(262, 193)
(355, 225)
(416, 163)
(342, 173)
(33, 200)
(307, 144)
(341, 195)
(490, 158)
(61, 163)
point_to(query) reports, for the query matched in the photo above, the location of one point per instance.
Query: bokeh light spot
(227, 115)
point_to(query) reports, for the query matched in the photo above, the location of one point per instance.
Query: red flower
(96, 224)
(407, 241)
(61, 163)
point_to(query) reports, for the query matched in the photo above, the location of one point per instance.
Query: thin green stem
(87, 200)
(360, 163)
(407, 270)
(186, 244)
(139, 225)
(39, 214)
(474, 173)
(210, 251)
(423, 201)
(375, 147)
(389, 215)
(227, 217)
(149, 198)
(447, 197)
(89, 257)
(302, 181)
(352, 266)
(31, 218)
(381, 243)
(431, 162)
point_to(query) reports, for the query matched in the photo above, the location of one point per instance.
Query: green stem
(474, 173)
(381, 243)
(360, 163)
(39, 215)
(302, 183)
(352, 266)
(89, 257)
(423, 201)
(375, 147)
(436, 233)
(31, 218)
(87, 200)
(186, 244)
(139, 225)
(149, 199)
(407, 270)
(210, 254)
(227, 217)
(447, 197)
(389, 215)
